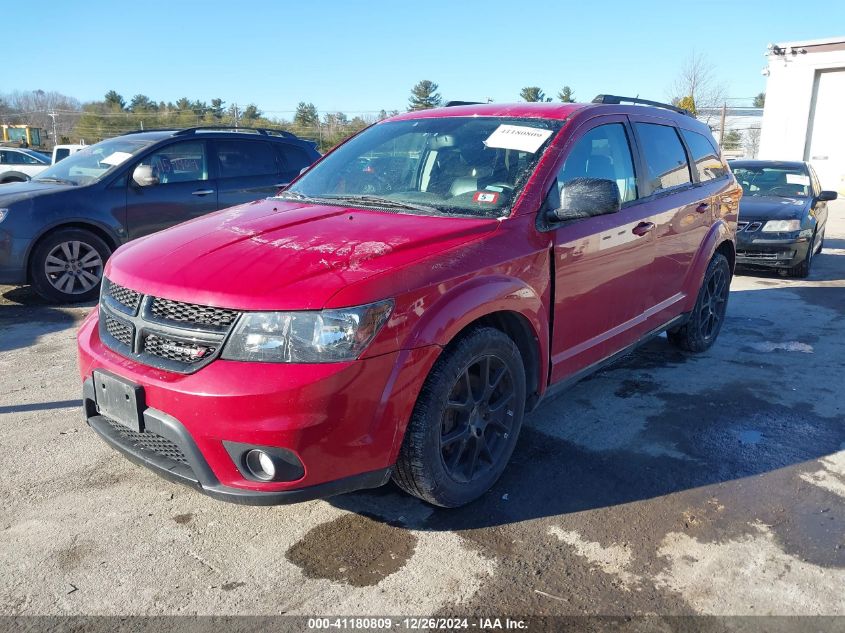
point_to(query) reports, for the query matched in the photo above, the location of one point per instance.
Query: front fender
(718, 234)
(476, 298)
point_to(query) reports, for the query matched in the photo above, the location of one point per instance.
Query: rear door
(248, 170)
(601, 263)
(184, 188)
(681, 212)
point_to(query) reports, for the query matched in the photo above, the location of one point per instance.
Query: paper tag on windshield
(116, 158)
(518, 137)
(798, 179)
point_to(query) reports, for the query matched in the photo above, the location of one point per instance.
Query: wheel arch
(14, 176)
(504, 303)
(104, 234)
(719, 239)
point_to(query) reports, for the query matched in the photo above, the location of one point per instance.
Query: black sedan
(782, 215)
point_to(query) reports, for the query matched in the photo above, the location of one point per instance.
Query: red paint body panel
(584, 291)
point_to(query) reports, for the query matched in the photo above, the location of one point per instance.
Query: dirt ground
(667, 484)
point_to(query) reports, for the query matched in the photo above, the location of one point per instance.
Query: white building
(804, 117)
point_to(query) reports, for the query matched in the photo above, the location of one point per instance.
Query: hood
(771, 208)
(282, 255)
(13, 192)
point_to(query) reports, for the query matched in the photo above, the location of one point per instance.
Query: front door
(181, 189)
(601, 263)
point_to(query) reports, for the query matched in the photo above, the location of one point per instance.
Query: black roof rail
(616, 100)
(152, 129)
(230, 128)
(451, 104)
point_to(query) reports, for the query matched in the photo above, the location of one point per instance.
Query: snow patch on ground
(832, 475)
(750, 575)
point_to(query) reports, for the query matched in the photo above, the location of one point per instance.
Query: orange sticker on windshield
(486, 197)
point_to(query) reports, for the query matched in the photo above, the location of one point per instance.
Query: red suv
(397, 310)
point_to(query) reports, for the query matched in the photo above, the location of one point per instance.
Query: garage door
(826, 149)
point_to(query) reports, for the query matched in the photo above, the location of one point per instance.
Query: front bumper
(13, 253)
(770, 251)
(344, 422)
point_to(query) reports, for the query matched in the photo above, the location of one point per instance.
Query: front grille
(757, 255)
(169, 310)
(176, 350)
(171, 335)
(149, 442)
(124, 296)
(123, 332)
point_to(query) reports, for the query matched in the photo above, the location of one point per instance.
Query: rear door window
(664, 156)
(708, 165)
(238, 159)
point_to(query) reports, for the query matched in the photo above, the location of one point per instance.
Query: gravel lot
(668, 484)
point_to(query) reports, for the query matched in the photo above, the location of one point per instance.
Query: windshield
(454, 166)
(92, 163)
(772, 180)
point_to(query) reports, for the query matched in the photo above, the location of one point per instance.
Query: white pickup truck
(19, 165)
(63, 151)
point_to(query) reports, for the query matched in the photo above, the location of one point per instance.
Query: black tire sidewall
(38, 275)
(444, 490)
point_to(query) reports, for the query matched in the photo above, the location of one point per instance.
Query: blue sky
(365, 56)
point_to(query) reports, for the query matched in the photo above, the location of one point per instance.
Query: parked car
(61, 152)
(782, 216)
(18, 164)
(57, 230)
(398, 320)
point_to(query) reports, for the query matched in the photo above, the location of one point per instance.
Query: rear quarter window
(705, 156)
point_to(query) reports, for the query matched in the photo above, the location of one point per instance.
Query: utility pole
(722, 127)
(237, 114)
(52, 114)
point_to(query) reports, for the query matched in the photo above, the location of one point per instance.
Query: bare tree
(697, 80)
(37, 108)
(752, 142)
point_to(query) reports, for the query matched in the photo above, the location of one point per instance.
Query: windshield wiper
(63, 181)
(386, 202)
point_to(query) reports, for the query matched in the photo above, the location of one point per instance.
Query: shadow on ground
(25, 317)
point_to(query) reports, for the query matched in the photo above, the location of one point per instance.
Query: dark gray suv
(57, 230)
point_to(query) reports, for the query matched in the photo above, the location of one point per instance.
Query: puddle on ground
(354, 549)
(749, 437)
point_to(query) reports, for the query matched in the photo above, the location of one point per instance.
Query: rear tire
(705, 322)
(466, 421)
(67, 266)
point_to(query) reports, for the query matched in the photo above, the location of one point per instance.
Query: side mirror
(826, 196)
(143, 176)
(585, 198)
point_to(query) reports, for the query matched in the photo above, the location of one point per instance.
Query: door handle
(202, 192)
(642, 228)
(702, 208)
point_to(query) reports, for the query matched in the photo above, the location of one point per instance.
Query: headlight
(782, 226)
(326, 336)
(3, 214)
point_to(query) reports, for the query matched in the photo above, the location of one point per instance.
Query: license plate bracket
(120, 400)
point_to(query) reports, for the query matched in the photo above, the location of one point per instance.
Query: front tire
(67, 266)
(802, 269)
(705, 322)
(466, 421)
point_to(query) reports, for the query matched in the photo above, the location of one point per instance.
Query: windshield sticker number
(798, 179)
(518, 137)
(485, 197)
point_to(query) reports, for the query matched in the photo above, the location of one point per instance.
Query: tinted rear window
(245, 158)
(706, 157)
(664, 155)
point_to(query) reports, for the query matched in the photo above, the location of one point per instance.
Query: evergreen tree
(533, 94)
(424, 96)
(760, 100)
(565, 95)
(114, 101)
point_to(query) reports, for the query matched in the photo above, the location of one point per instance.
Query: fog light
(260, 464)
